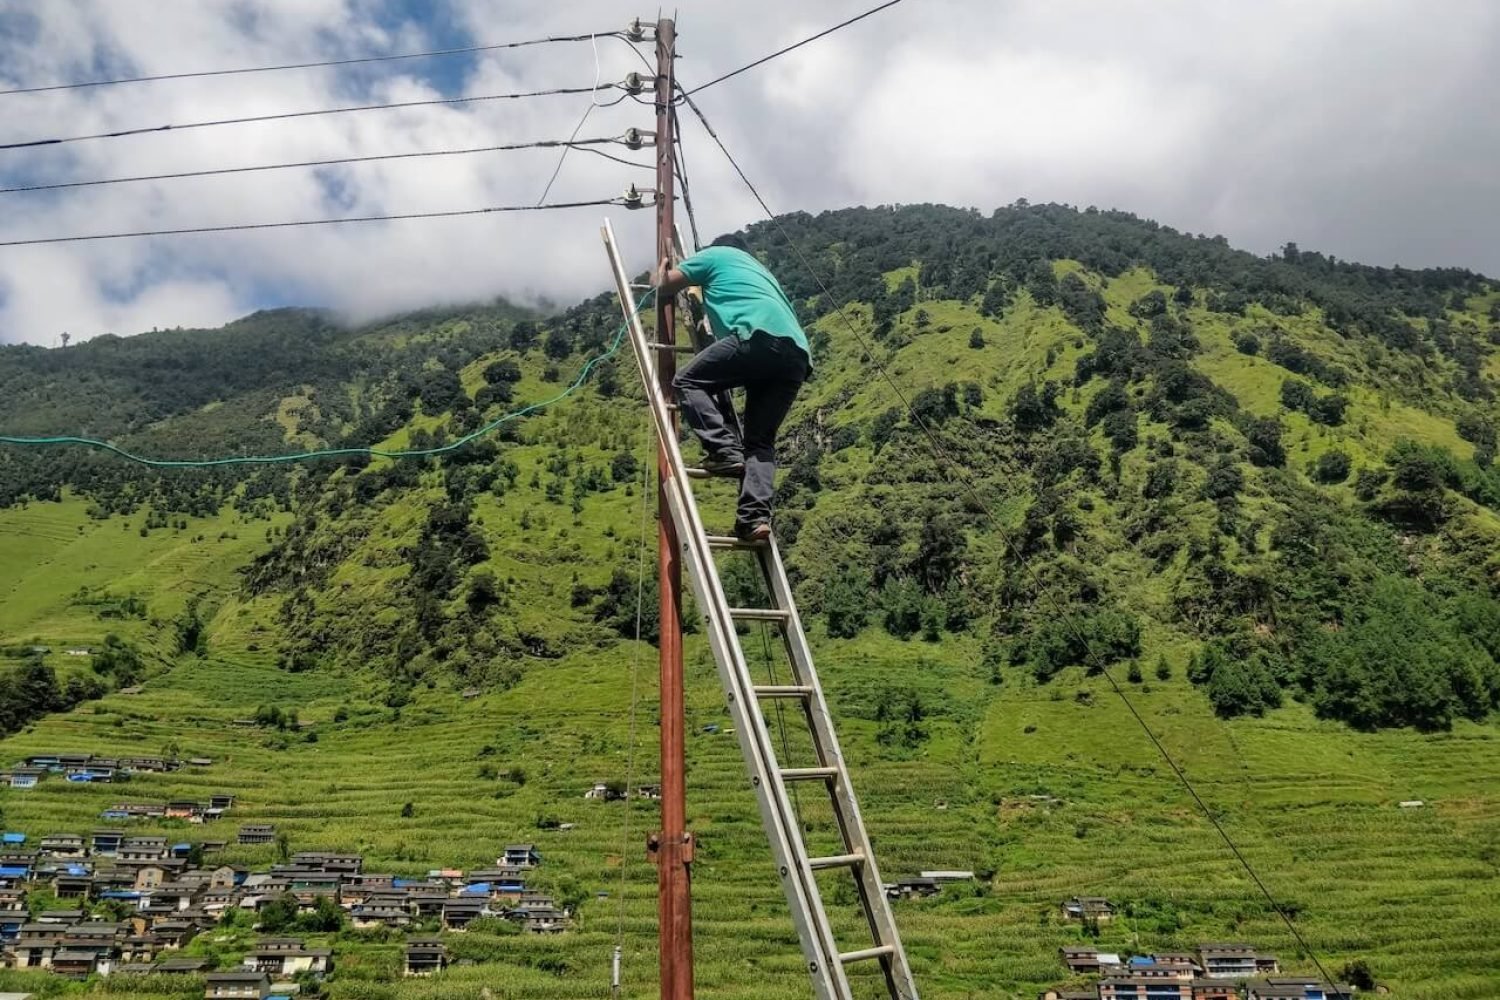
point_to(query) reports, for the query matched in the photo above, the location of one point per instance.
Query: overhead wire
(795, 45)
(968, 485)
(286, 115)
(572, 142)
(593, 103)
(240, 227)
(304, 456)
(352, 61)
(635, 669)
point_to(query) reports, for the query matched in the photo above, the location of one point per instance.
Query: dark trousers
(771, 370)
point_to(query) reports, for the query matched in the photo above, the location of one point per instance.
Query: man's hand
(663, 270)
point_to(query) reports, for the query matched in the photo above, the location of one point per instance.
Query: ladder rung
(730, 541)
(879, 951)
(679, 348)
(809, 773)
(835, 861)
(784, 691)
(760, 614)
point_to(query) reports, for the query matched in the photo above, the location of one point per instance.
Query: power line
(789, 48)
(557, 91)
(431, 54)
(507, 147)
(322, 222)
(969, 487)
(304, 456)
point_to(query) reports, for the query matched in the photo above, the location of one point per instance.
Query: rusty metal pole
(674, 851)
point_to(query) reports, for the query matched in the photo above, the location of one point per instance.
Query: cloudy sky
(1364, 128)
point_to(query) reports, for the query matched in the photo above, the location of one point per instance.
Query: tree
(1153, 303)
(523, 335)
(1247, 343)
(283, 846)
(1328, 410)
(845, 606)
(1264, 438)
(409, 810)
(557, 345)
(976, 338)
(1133, 675)
(279, 914)
(1332, 467)
(1296, 395)
(1035, 409)
(502, 370)
(1357, 973)
(1163, 668)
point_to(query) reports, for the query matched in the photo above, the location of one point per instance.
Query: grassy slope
(1312, 805)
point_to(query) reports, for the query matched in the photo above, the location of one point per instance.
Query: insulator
(634, 83)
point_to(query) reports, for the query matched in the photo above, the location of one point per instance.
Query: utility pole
(673, 846)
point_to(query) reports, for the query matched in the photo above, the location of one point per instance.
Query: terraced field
(1313, 807)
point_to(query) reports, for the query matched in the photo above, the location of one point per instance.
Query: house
(159, 765)
(908, 887)
(73, 884)
(12, 839)
(143, 849)
(324, 861)
(182, 966)
(25, 777)
(1215, 989)
(1292, 988)
(1129, 986)
(1227, 960)
(75, 963)
(1068, 995)
(183, 809)
(949, 876)
(10, 927)
(285, 962)
(62, 918)
(521, 856)
(236, 986)
(106, 842)
(1085, 908)
(425, 956)
(1080, 959)
(1411, 804)
(457, 913)
(604, 792)
(35, 945)
(178, 895)
(367, 915)
(222, 801)
(257, 833)
(62, 846)
(150, 876)
(174, 934)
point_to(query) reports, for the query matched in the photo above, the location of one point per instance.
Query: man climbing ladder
(759, 346)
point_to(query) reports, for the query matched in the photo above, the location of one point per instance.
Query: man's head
(731, 240)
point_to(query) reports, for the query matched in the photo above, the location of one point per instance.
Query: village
(1214, 971)
(110, 903)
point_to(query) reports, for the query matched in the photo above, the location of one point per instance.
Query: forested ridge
(1275, 476)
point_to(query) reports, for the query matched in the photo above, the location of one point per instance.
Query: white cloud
(1362, 127)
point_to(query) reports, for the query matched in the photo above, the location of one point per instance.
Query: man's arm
(670, 280)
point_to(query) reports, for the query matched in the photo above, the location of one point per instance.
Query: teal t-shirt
(740, 296)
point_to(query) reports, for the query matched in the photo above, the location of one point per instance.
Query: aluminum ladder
(824, 960)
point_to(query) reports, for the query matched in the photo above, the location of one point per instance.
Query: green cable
(304, 456)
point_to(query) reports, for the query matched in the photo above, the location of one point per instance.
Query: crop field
(1059, 794)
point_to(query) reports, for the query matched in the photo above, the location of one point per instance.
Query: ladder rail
(876, 906)
(819, 949)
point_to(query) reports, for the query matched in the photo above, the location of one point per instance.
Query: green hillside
(1261, 493)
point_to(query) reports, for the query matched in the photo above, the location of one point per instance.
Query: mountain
(1040, 445)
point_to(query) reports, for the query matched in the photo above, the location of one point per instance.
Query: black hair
(731, 240)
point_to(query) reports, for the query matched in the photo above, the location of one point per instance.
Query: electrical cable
(967, 483)
(303, 456)
(679, 161)
(795, 45)
(635, 668)
(321, 222)
(434, 53)
(284, 115)
(593, 103)
(507, 147)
